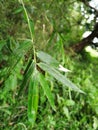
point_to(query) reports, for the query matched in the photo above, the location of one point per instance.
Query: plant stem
(28, 21)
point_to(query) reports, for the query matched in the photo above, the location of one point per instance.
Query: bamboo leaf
(46, 58)
(57, 75)
(23, 47)
(32, 26)
(10, 84)
(33, 97)
(18, 10)
(28, 72)
(47, 90)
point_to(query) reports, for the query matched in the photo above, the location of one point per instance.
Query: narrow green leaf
(29, 71)
(47, 90)
(10, 84)
(32, 27)
(47, 59)
(18, 10)
(61, 78)
(23, 47)
(33, 97)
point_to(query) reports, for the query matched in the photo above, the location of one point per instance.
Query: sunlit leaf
(66, 112)
(70, 102)
(47, 90)
(61, 68)
(47, 59)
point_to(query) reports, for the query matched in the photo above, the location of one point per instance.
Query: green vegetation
(44, 83)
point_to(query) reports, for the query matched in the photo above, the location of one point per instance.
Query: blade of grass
(47, 90)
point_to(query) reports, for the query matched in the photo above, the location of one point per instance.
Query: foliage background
(57, 26)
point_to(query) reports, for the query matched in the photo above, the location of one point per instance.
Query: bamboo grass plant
(35, 78)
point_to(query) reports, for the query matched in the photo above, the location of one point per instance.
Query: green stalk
(28, 21)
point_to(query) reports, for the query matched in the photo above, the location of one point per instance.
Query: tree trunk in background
(78, 47)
